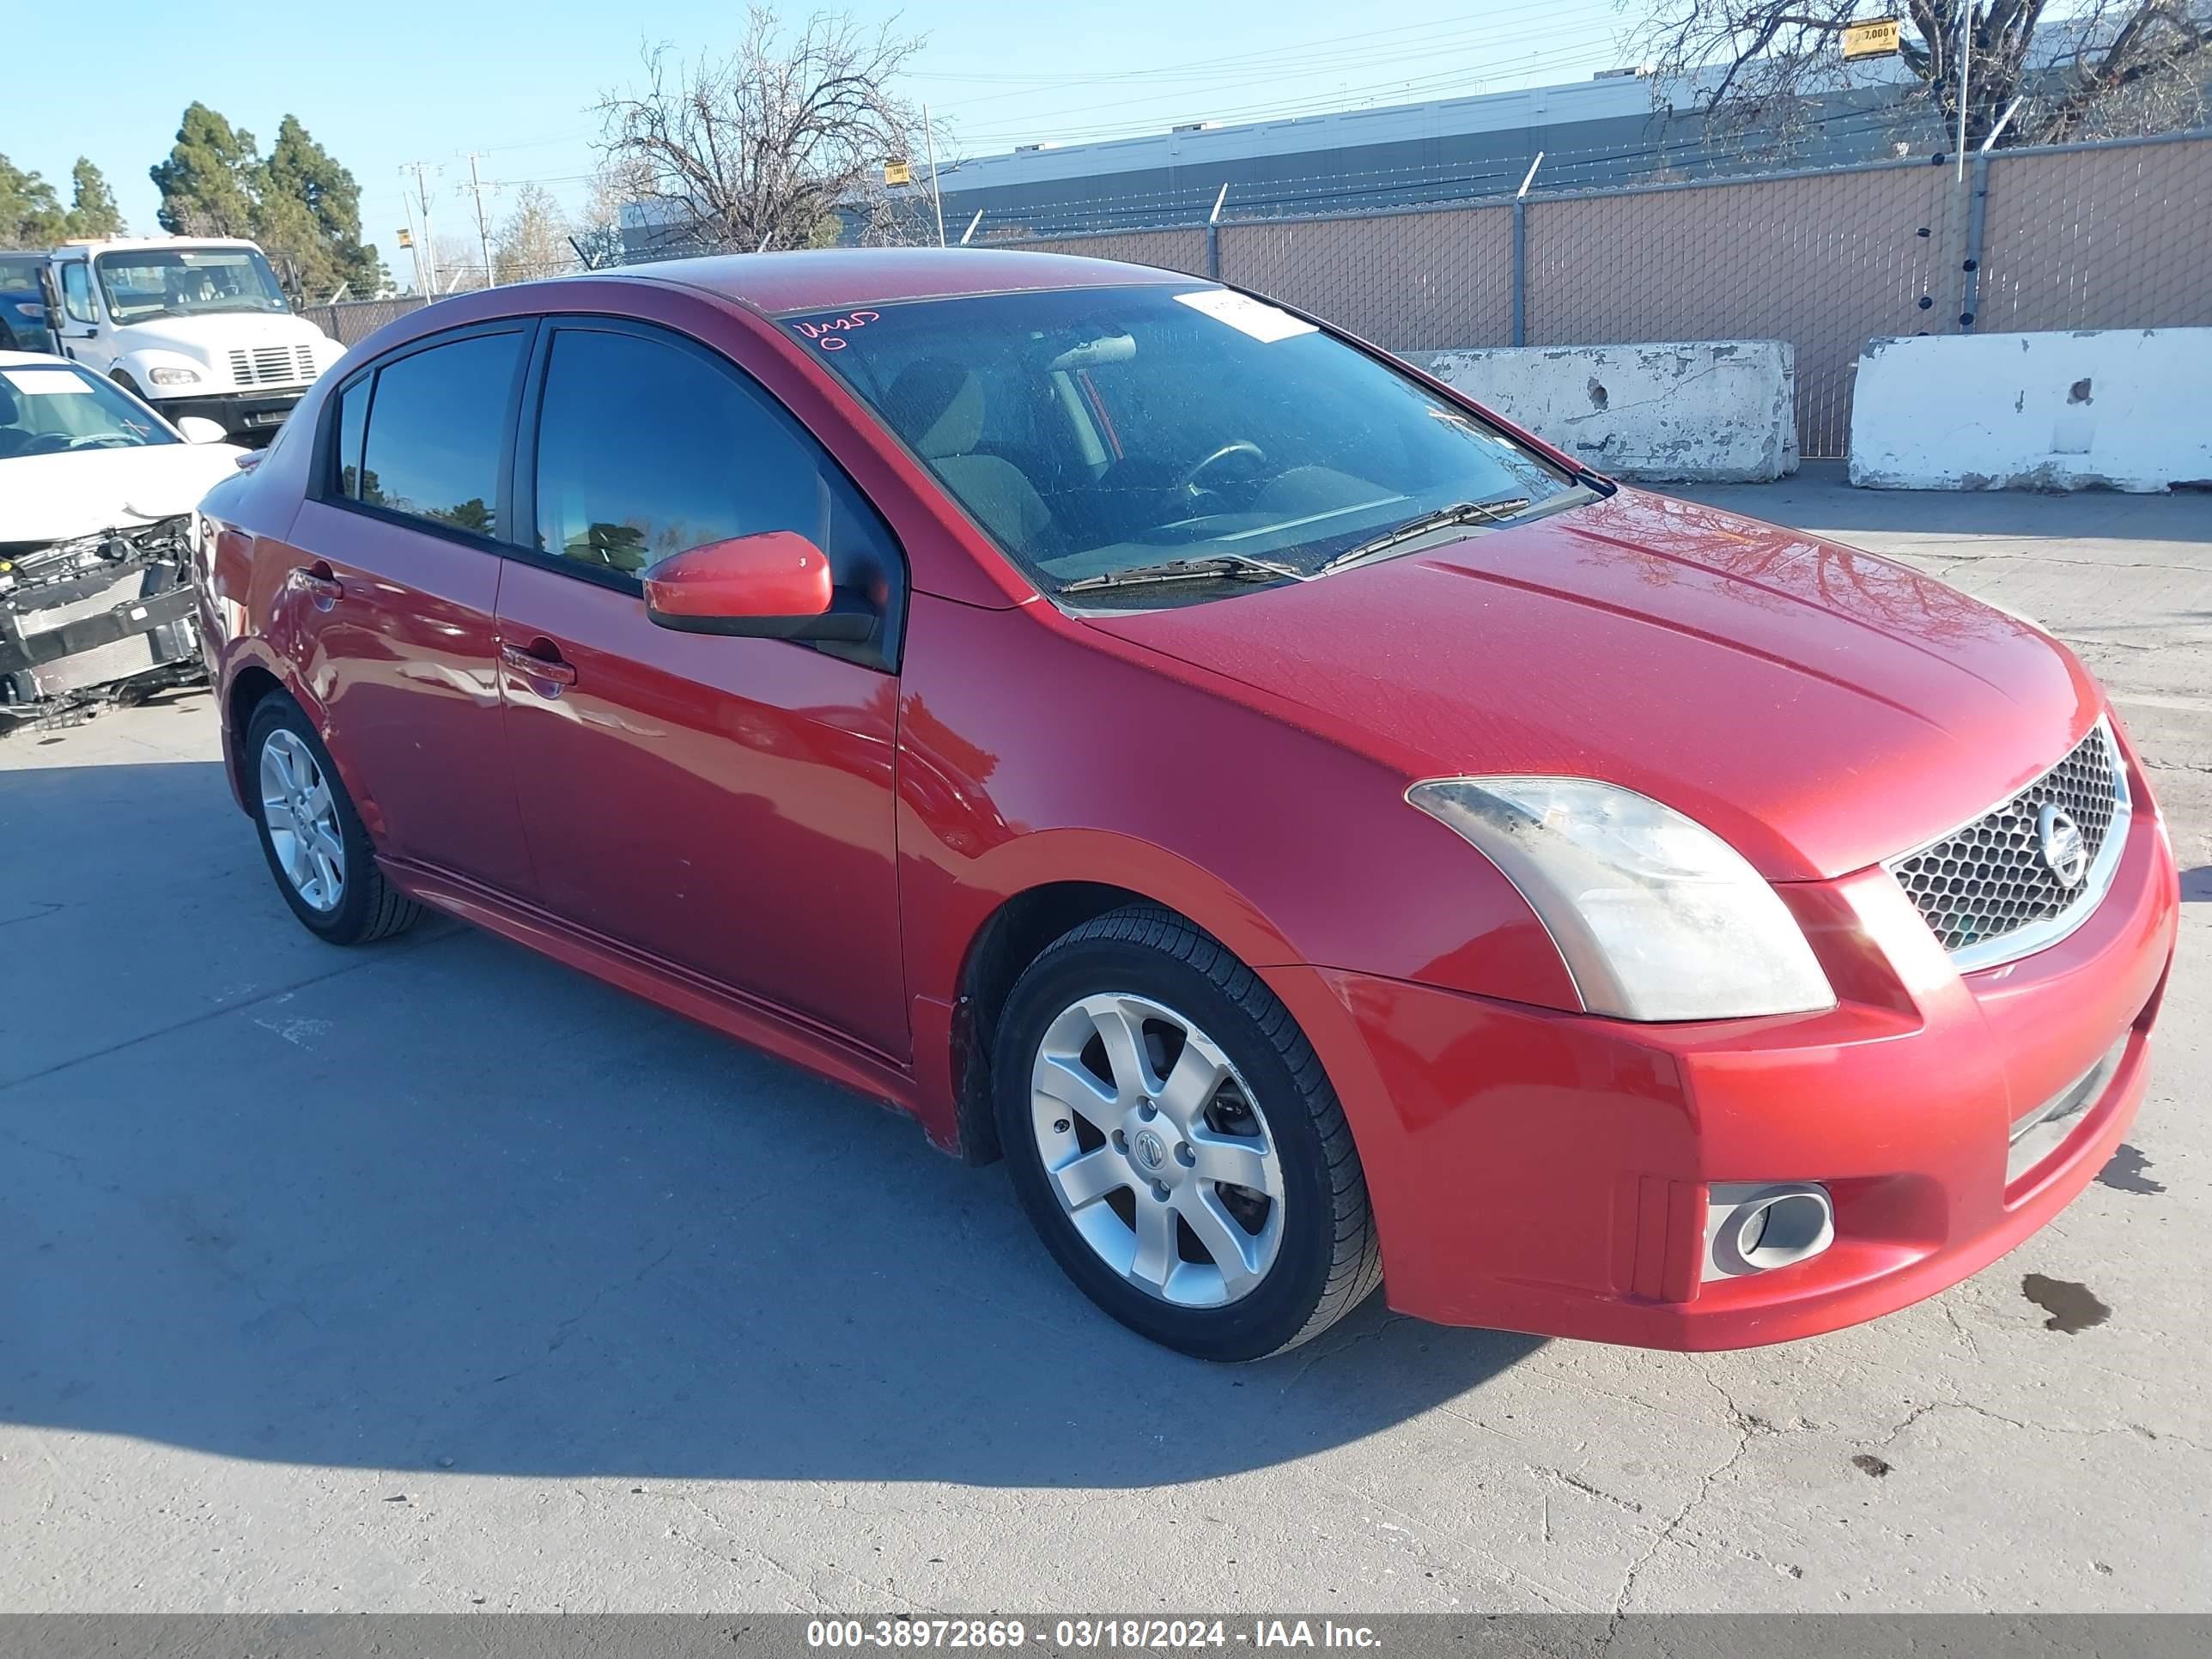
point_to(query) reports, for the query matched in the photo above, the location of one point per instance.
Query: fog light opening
(1754, 1229)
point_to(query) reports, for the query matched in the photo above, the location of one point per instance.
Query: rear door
(725, 804)
(391, 599)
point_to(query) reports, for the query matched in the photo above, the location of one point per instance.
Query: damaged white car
(96, 499)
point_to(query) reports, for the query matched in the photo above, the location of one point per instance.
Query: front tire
(1176, 1143)
(313, 838)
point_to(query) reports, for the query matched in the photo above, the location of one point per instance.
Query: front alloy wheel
(1156, 1150)
(1175, 1142)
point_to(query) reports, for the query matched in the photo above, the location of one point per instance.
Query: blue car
(23, 313)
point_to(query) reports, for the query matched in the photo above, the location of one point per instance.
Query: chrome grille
(1986, 890)
(272, 364)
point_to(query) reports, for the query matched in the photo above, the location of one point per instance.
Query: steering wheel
(46, 443)
(1189, 485)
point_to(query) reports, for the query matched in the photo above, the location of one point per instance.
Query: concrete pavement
(436, 1277)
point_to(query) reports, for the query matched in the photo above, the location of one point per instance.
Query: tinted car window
(436, 420)
(646, 447)
(353, 421)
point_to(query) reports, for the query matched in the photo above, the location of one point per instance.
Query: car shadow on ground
(441, 1205)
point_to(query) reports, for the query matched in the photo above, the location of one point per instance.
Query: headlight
(173, 376)
(1656, 916)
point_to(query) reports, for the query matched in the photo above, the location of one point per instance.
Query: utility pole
(930, 137)
(483, 225)
(1965, 68)
(425, 257)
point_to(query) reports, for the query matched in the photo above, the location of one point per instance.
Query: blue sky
(405, 81)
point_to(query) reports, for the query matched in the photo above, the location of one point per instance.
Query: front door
(390, 602)
(725, 804)
(77, 325)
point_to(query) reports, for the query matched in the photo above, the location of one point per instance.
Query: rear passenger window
(646, 448)
(436, 421)
(353, 421)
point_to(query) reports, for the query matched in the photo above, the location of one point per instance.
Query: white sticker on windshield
(1246, 315)
(44, 382)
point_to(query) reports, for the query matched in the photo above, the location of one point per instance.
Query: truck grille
(1986, 890)
(272, 364)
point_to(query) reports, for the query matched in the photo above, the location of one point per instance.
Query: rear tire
(1176, 1143)
(317, 849)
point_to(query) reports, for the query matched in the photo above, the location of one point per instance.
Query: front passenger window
(646, 448)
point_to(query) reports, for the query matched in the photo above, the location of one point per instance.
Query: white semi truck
(195, 325)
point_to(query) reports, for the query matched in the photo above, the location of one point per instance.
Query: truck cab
(193, 325)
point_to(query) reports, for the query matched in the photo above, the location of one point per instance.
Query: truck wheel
(126, 383)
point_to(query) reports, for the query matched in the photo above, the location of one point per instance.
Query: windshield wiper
(1219, 567)
(1442, 519)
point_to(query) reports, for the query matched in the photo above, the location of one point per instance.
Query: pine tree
(310, 207)
(30, 215)
(93, 211)
(209, 182)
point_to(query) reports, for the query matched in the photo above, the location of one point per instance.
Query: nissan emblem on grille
(2025, 864)
(2061, 840)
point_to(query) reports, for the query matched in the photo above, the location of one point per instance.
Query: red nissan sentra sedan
(1318, 834)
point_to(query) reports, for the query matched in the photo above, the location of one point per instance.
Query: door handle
(321, 585)
(541, 663)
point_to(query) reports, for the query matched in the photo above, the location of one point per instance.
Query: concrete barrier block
(1702, 411)
(2108, 408)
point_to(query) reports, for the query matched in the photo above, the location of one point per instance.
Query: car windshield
(186, 282)
(51, 409)
(1181, 439)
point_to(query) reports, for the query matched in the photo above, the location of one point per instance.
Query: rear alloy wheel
(311, 836)
(301, 817)
(1177, 1144)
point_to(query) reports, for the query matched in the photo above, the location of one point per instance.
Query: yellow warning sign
(1876, 39)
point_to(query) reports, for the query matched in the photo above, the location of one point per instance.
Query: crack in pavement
(388, 954)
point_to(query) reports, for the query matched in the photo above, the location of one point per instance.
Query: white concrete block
(2110, 408)
(1711, 412)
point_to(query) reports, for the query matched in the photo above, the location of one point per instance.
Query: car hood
(221, 331)
(50, 498)
(1821, 708)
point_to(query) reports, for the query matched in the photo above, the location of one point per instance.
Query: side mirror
(773, 586)
(198, 429)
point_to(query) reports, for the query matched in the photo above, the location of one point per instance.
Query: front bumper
(1546, 1172)
(236, 412)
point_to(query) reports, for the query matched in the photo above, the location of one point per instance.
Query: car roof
(829, 279)
(33, 360)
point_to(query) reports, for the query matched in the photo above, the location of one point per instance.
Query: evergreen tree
(211, 179)
(30, 215)
(324, 238)
(93, 211)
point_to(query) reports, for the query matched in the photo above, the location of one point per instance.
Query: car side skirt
(778, 1031)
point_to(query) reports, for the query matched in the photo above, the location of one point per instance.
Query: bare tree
(770, 144)
(533, 240)
(2103, 68)
(460, 264)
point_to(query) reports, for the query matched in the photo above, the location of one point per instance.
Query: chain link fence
(2116, 234)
